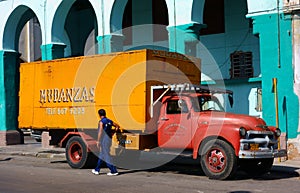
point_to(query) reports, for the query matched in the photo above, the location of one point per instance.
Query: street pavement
(35, 149)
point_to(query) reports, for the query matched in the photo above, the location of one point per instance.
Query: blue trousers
(104, 155)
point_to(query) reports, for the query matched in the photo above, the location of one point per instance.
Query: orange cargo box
(67, 93)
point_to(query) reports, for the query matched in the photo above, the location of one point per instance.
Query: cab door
(175, 124)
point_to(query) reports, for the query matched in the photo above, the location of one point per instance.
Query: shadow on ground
(187, 167)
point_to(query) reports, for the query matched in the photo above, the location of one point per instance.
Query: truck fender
(204, 134)
(88, 140)
(200, 144)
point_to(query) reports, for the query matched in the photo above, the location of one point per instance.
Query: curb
(36, 154)
(50, 155)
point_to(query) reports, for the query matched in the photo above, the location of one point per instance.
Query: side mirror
(230, 98)
(180, 103)
(183, 106)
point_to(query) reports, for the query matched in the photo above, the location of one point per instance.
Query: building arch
(58, 23)
(11, 16)
(150, 17)
(117, 14)
(14, 25)
(73, 22)
(193, 12)
(197, 11)
(213, 17)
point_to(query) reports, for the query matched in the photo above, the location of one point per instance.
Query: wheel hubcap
(216, 161)
(76, 152)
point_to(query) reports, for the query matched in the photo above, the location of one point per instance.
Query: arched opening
(80, 26)
(13, 32)
(91, 46)
(160, 19)
(144, 13)
(73, 25)
(30, 41)
(214, 17)
(127, 23)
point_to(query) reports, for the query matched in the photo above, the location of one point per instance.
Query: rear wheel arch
(77, 153)
(65, 140)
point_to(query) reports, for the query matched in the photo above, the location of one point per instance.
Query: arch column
(53, 51)
(110, 43)
(184, 38)
(9, 85)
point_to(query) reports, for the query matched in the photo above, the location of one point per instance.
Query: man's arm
(117, 127)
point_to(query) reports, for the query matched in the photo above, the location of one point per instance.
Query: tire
(218, 160)
(256, 167)
(77, 155)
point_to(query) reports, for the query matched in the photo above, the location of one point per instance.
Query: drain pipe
(276, 108)
(278, 36)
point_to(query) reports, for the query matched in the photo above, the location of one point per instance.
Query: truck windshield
(206, 103)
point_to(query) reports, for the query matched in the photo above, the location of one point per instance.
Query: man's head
(101, 112)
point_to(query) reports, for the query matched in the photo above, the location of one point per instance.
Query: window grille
(241, 65)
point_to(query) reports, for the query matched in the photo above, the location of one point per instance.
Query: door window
(173, 107)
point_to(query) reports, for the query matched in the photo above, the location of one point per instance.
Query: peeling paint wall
(296, 57)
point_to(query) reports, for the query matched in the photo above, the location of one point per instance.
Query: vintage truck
(156, 98)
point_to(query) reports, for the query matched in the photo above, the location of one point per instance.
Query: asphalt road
(32, 174)
(24, 174)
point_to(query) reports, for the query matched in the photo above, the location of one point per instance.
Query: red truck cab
(197, 121)
(190, 118)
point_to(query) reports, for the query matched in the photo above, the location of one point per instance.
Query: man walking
(104, 142)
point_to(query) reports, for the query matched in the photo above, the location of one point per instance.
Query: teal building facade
(243, 44)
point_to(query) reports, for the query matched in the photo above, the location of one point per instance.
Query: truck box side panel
(67, 93)
(121, 89)
(26, 95)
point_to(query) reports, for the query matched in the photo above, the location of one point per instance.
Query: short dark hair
(102, 112)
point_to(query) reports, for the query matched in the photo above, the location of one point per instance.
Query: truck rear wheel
(76, 153)
(218, 160)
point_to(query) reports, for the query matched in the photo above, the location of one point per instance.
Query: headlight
(277, 132)
(243, 132)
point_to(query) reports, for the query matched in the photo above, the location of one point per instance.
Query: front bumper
(260, 144)
(247, 154)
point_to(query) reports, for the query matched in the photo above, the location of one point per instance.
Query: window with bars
(241, 65)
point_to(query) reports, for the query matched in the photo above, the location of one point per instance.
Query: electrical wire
(228, 58)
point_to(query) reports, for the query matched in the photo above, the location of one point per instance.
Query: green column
(110, 43)
(184, 38)
(275, 35)
(53, 51)
(9, 87)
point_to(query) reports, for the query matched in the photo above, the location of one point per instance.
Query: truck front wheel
(218, 160)
(76, 153)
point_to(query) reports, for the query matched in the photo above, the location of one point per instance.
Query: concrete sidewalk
(33, 150)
